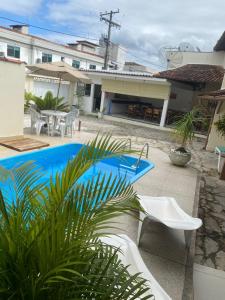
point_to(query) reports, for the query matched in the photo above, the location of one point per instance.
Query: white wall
(40, 85)
(87, 104)
(178, 58)
(12, 82)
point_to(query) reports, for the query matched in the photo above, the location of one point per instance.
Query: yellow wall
(140, 89)
(215, 139)
(12, 83)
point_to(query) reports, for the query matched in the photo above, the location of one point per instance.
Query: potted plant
(184, 133)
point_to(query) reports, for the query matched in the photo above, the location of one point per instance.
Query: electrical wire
(80, 36)
(50, 30)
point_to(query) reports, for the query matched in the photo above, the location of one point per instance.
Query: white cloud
(147, 25)
(20, 7)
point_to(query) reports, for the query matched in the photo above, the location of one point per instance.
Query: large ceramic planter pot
(179, 158)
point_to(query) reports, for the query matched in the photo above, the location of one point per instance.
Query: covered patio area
(141, 98)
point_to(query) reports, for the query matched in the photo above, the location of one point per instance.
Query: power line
(50, 30)
(111, 24)
(80, 36)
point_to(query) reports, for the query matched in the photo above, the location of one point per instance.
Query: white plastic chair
(67, 123)
(166, 210)
(37, 121)
(131, 256)
(76, 111)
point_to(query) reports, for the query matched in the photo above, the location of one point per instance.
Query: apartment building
(16, 43)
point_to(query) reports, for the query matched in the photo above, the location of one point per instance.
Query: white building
(135, 67)
(16, 43)
(117, 54)
(177, 57)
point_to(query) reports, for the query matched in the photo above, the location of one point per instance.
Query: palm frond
(49, 231)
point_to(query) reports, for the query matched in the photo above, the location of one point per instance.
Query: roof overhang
(147, 78)
(194, 74)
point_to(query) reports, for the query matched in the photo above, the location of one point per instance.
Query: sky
(147, 26)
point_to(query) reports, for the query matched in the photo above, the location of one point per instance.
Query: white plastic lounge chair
(131, 256)
(166, 210)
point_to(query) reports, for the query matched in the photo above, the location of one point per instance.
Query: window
(92, 67)
(62, 58)
(46, 57)
(13, 51)
(87, 90)
(76, 64)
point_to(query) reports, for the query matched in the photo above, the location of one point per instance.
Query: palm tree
(49, 231)
(50, 102)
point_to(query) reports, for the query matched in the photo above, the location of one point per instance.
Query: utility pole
(111, 23)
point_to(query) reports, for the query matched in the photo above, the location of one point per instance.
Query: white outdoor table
(56, 115)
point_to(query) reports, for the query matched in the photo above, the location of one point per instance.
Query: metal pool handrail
(139, 159)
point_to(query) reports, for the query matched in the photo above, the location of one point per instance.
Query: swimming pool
(54, 159)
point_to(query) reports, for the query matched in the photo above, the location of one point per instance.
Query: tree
(50, 230)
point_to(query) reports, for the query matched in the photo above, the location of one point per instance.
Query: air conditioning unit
(2, 54)
(38, 61)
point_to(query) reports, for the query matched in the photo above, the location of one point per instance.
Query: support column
(164, 113)
(102, 102)
(92, 93)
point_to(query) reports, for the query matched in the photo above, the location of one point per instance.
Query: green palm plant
(185, 127)
(28, 97)
(50, 231)
(50, 102)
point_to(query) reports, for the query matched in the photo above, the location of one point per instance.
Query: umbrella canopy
(60, 70)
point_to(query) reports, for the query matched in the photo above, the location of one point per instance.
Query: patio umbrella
(60, 70)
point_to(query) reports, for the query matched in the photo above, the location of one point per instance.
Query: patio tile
(172, 276)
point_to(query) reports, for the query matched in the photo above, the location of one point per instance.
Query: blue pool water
(54, 159)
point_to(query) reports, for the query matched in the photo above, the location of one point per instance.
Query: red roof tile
(194, 73)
